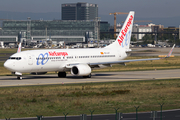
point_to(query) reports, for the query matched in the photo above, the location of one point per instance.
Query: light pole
(116, 109)
(65, 114)
(136, 112)
(161, 109)
(91, 113)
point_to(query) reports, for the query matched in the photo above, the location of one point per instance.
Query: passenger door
(30, 59)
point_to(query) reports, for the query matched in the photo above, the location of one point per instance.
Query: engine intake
(81, 70)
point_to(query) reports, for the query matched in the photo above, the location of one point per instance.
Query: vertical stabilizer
(124, 37)
(19, 47)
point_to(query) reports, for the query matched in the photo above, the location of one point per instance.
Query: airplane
(79, 62)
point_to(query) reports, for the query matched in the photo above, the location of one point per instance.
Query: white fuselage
(78, 61)
(57, 59)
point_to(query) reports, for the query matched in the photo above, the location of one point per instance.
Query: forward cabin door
(30, 59)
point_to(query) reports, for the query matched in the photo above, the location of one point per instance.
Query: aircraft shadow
(104, 74)
(46, 77)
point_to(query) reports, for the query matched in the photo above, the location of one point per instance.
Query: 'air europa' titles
(54, 53)
(125, 30)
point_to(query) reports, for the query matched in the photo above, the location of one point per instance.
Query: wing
(134, 60)
(121, 61)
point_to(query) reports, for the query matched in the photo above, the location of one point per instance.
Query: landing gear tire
(89, 76)
(19, 77)
(61, 74)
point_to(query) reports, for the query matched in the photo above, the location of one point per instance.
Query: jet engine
(81, 70)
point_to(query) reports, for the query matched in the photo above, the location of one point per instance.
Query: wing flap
(122, 61)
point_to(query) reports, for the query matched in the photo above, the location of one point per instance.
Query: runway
(51, 79)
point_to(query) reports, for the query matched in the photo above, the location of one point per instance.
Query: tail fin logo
(127, 39)
(42, 59)
(124, 31)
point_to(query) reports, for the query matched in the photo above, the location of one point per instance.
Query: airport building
(79, 24)
(79, 11)
(146, 28)
(141, 28)
(68, 31)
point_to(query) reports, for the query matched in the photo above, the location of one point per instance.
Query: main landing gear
(19, 77)
(89, 76)
(62, 74)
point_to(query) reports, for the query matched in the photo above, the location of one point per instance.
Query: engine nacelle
(81, 70)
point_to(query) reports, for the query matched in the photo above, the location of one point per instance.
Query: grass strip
(76, 99)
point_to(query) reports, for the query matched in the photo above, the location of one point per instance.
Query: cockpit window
(18, 58)
(12, 58)
(15, 58)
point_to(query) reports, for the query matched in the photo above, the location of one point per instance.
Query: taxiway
(51, 79)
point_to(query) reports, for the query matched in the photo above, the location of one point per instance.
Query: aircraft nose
(7, 65)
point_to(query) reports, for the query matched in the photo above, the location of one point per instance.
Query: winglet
(170, 52)
(19, 47)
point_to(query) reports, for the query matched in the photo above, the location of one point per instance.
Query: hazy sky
(165, 12)
(143, 8)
